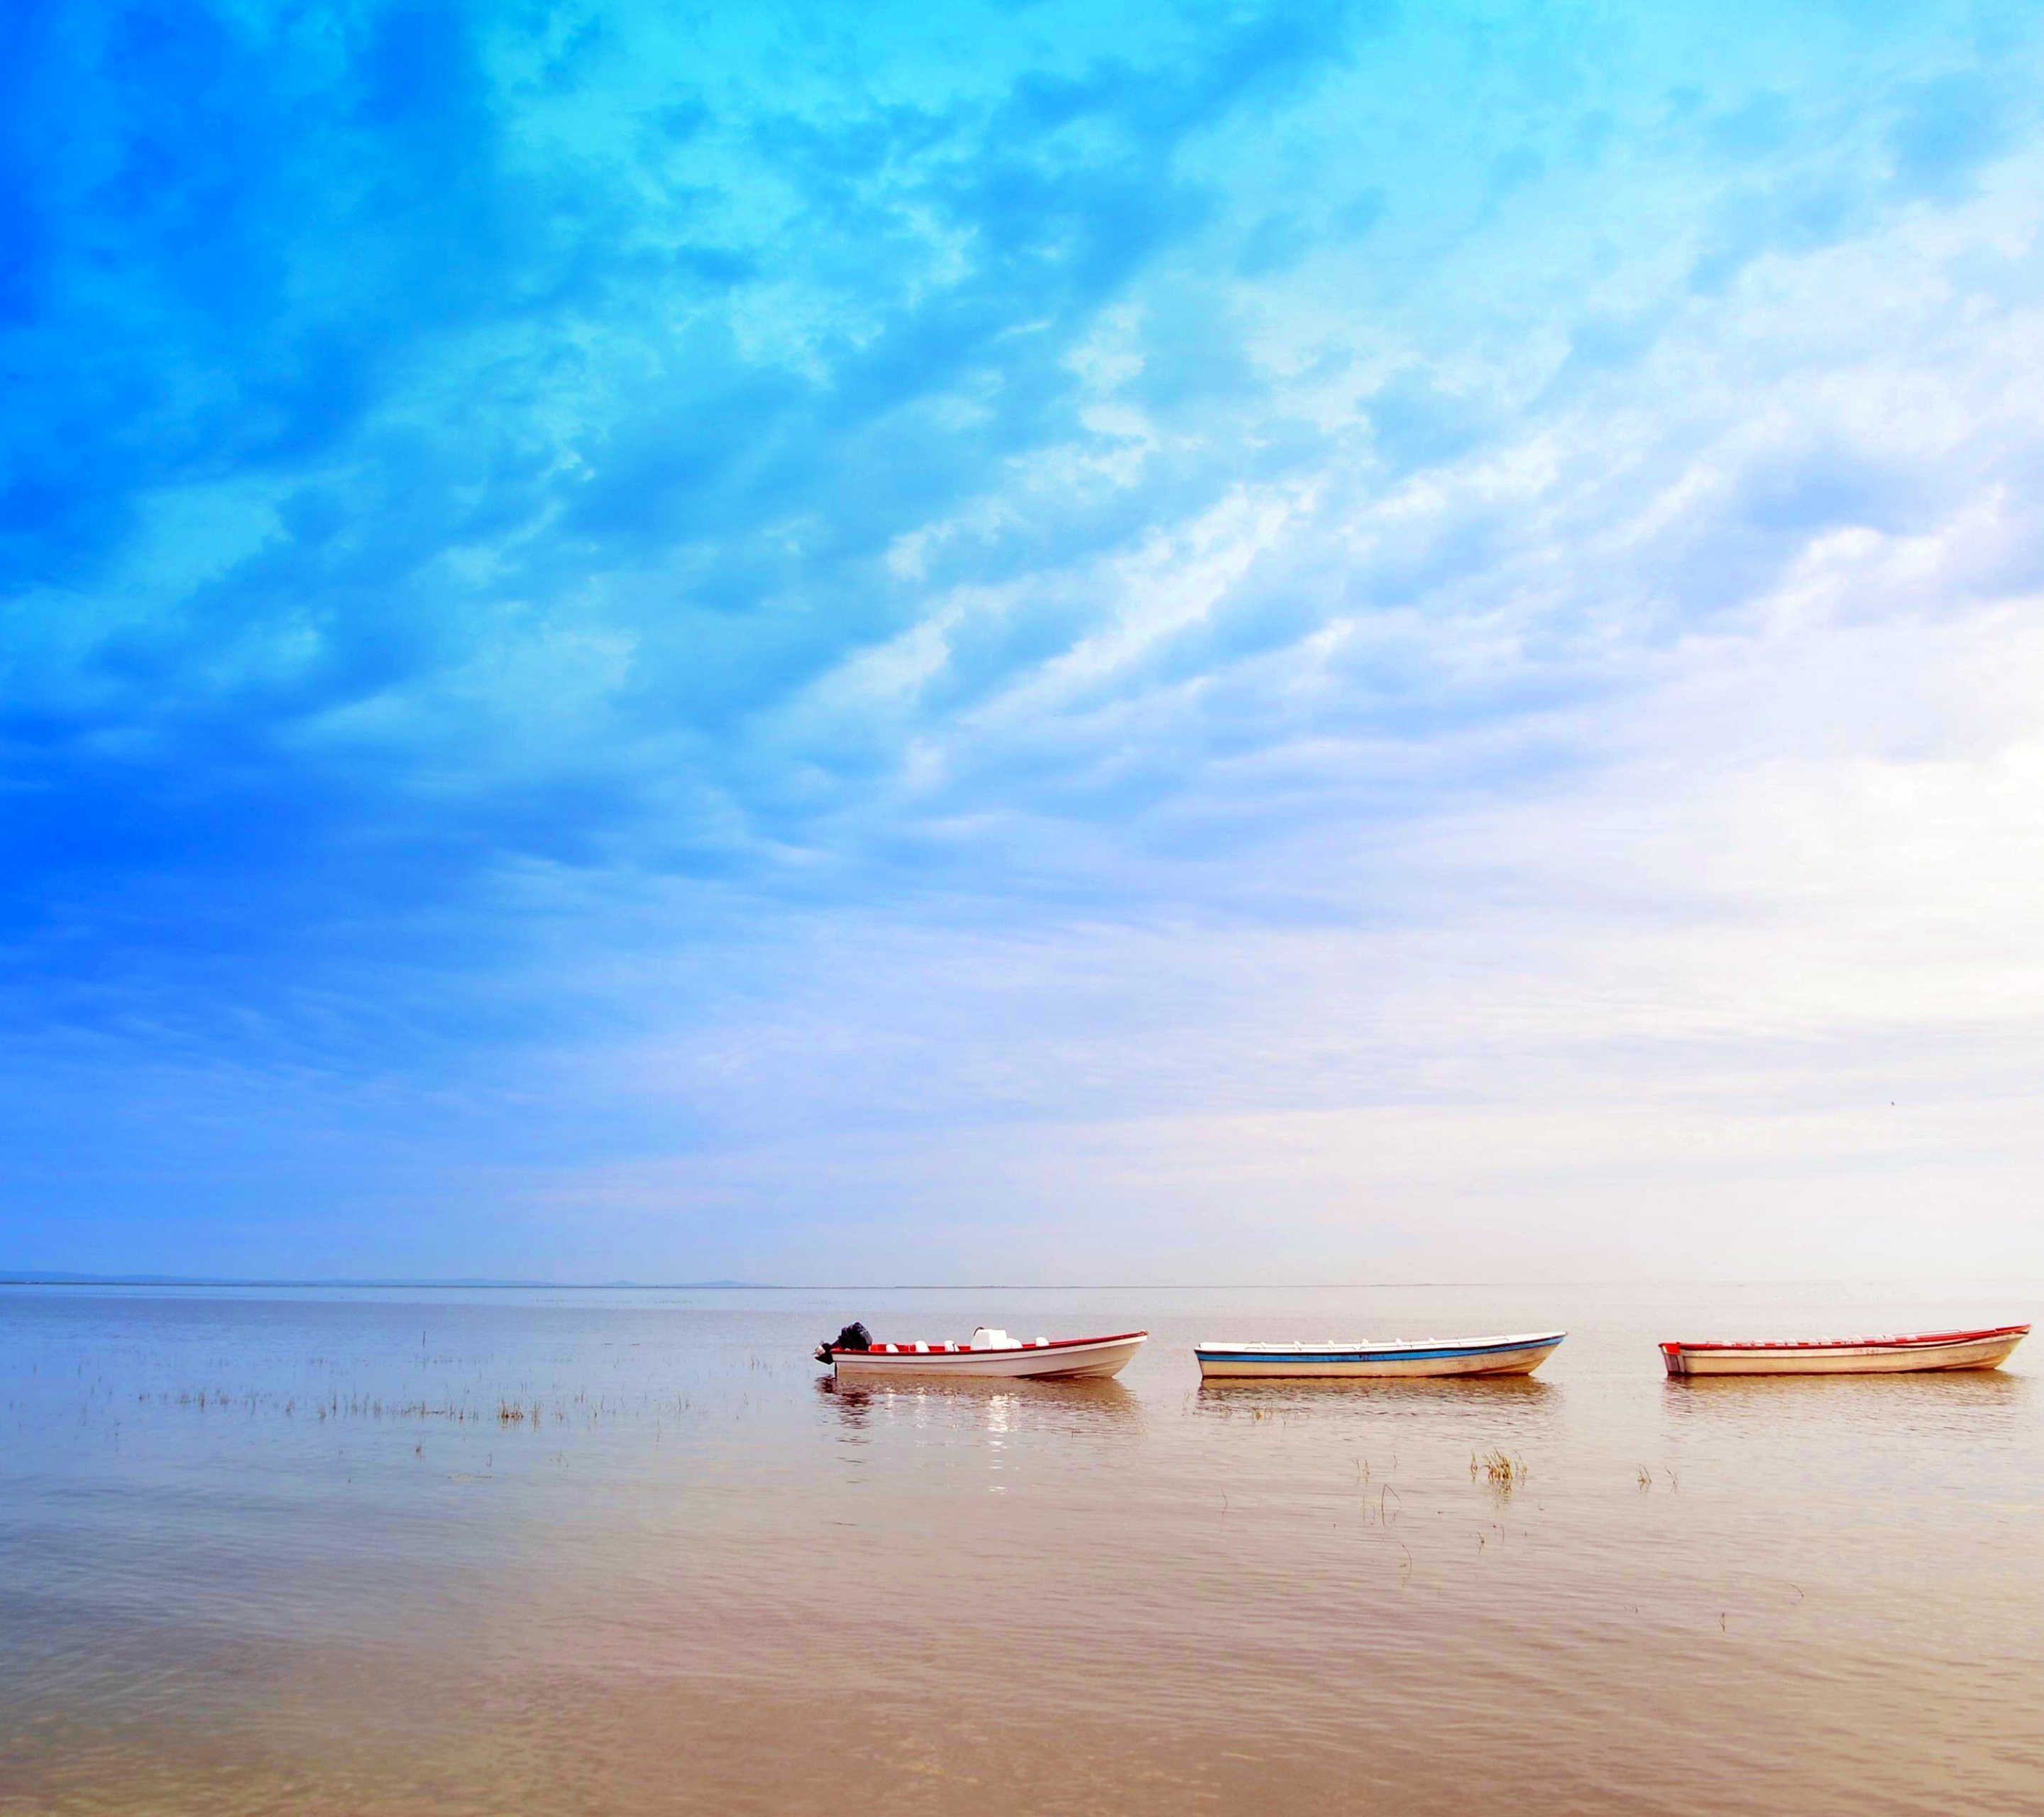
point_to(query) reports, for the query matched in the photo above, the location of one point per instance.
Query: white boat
(989, 1353)
(1987, 1348)
(1519, 1354)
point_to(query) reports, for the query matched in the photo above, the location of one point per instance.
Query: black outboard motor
(854, 1337)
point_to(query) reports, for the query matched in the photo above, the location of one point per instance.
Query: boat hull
(1068, 1359)
(1520, 1355)
(1938, 1351)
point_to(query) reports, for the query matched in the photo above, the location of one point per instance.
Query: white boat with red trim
(988, 1353)
(1519, 1354)
(1987, 1348)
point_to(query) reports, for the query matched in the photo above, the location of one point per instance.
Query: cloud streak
(683, 619)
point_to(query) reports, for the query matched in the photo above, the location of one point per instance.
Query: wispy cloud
(649, 622)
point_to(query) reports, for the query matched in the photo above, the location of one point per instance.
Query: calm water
(263, 1552)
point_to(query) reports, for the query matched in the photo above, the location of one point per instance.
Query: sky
(1031, 643)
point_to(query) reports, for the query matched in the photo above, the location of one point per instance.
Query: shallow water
(266, 1550)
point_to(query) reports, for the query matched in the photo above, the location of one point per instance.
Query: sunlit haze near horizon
(1031, 643)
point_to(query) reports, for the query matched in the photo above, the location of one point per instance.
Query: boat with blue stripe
(1520, 1354)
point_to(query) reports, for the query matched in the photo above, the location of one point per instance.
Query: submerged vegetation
(581, 1407)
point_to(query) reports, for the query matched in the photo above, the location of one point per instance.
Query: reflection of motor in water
(854, 1403)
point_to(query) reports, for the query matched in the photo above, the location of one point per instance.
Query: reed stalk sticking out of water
(1501, 1470)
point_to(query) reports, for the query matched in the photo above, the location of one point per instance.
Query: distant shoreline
(55, 1278)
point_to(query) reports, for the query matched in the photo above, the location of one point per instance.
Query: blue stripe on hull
(1370, 1356)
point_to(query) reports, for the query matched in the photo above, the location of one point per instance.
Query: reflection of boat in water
(1280, 1395)
(990, 1352)
(1519, 1354)
(1987, 1348)
(1072, 1403)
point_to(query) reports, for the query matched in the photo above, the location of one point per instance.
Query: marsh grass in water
(1502, 1471)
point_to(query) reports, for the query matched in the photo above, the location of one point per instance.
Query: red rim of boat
(1860, 1343)
(896, 1349)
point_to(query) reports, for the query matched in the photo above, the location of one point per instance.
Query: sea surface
(386, 1551)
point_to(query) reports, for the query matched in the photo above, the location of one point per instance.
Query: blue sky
(1028, 643)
